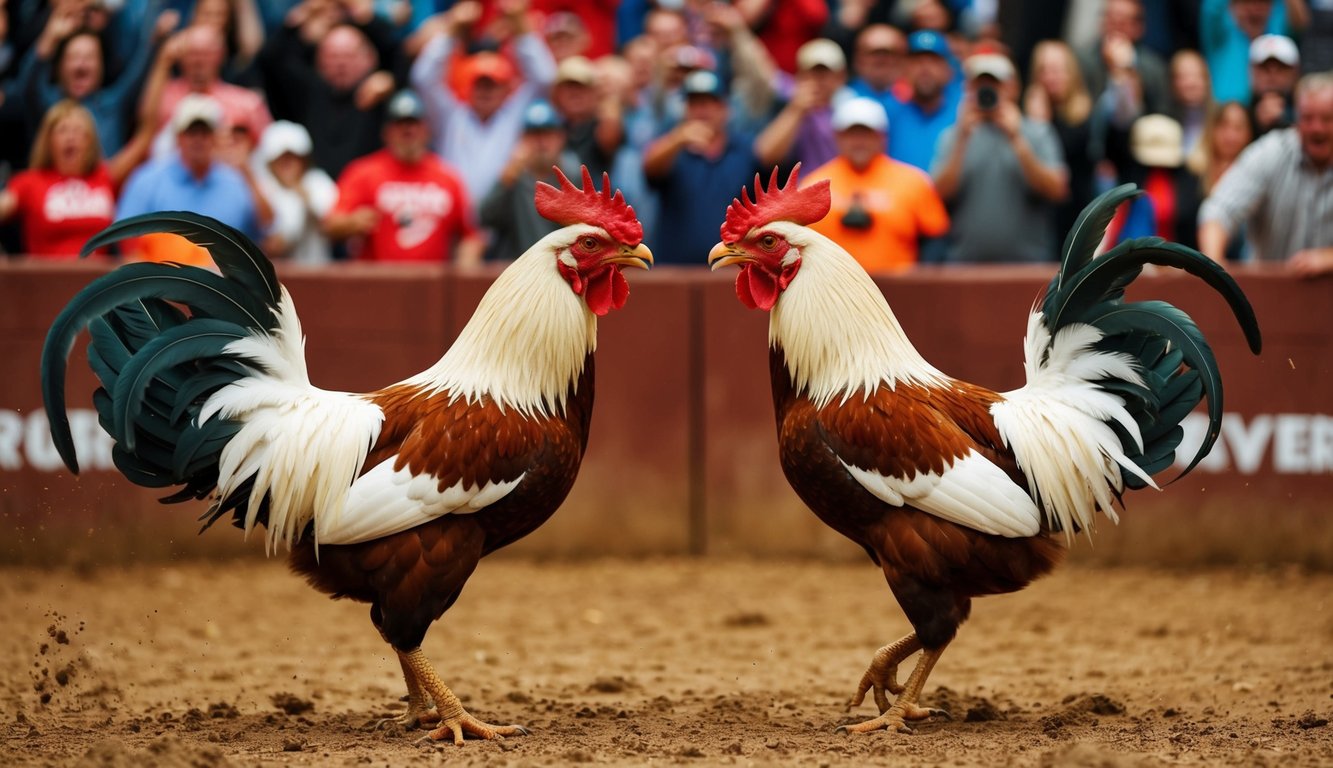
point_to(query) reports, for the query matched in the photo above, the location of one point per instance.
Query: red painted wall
(683, 456)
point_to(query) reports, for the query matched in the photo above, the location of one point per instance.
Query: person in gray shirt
(509, 210)
(1281, 189)
(1000, 174)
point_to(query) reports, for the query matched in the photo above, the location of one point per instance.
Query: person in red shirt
(67, 194)
(404, 203)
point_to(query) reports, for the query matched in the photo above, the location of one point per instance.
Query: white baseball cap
(1278, 47)
(860, 111)
(821, 52)
(196, 108)
(283, 137)
(996, 65)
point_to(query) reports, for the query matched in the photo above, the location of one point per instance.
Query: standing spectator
(1169, 205)
(476, 135)
(933, 106)
(1122, 60)
(403, 203)
(1226, 133)
(68, 62)
(67, 194)
(565, 35)
(1275, 65)
(696, 167)
(509, 210)
(194, 179)
(882, 209)
(1000, 173)
(803, 131)
(1057, 96)
(242, 31)
(200, 59)
(785, 25)
(336, 89)
(300, 195)
(1281, 189)
(1226, 31)
(593, 121)
(880, 65)
(1191, 96)
(595, 18)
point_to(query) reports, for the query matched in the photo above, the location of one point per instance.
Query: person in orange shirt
(882, 209)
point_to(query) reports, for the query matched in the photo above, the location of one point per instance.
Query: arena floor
(679, 662)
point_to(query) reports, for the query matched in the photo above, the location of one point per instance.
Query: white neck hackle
(527, 342)
(835, 329)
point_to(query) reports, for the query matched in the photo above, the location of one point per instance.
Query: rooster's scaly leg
(454, 720)
(420, 706)
(905, 707)
(882, 674)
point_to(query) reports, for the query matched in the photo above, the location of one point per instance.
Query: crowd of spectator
(953, 131)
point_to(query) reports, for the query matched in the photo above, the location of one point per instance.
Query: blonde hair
(1203, 161)
(1075, 106)
(42, 157)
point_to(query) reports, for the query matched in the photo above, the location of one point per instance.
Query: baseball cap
(1278, 47)
(926, 41)
(694, 57)
(1156, 141)
(196, 108)
(405, 105)
(540, 116)
(865, 112)
(996, 65)
(563, 22)
(489, 65)
(576, 69)
(282, 137)
(703, 83)
(820, 52)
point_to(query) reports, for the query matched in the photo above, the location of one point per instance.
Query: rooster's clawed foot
(895, 719)
(464, 724)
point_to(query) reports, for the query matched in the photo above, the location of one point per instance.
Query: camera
(987, 98)
(857, 217)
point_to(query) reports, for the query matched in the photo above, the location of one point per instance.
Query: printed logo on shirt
(74, 199)
(417, 209)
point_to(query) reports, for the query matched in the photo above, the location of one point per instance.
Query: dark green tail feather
(1177, 363)
(158, 365)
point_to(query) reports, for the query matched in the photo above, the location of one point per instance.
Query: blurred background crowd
(956, 131)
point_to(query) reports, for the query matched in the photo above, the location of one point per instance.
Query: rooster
(956, 491)
(389, 497)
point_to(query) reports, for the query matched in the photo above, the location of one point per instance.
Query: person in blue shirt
(933, 106)
(194, 179)
(697, 167)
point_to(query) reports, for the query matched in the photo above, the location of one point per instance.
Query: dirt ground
(664, 662)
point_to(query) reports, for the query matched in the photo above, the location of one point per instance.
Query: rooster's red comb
(785, 203)
(571, 205)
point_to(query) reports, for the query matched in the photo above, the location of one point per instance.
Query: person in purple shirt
(803, 129)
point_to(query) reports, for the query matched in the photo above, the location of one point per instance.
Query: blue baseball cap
(926, 41)
(540, 116)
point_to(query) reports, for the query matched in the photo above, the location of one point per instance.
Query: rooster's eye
(588, 243)
(768, 242)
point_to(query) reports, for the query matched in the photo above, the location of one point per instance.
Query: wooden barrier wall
(683, 455)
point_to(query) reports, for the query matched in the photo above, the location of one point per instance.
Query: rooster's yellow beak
(723, 255)
(639, 256)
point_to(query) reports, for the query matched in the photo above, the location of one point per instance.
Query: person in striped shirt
(1281, 189)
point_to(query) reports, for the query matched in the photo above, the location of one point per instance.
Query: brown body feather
(934, 567)
(411, 578)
